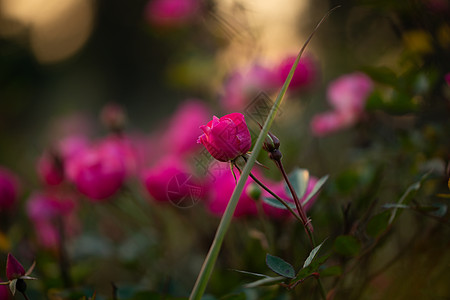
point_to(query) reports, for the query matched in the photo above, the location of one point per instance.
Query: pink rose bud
(348, 93)
(8, 189)
(98, 172)
(113, 117)
(14, 269)
(171, 13)
(304, 75)
(226, 138)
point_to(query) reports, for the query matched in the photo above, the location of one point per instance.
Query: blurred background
(63, 62)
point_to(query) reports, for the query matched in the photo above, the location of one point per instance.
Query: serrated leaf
(265, 281)
(313, 267)
(315, 189)
(312, 255)
(280, 266)
(331, 271)
(299, 179)
(378, 223)
(346, 245)
(277, 204)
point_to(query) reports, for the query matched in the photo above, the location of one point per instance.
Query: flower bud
(14, 269)
(271, 143)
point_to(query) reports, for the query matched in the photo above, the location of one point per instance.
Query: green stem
(210, 260)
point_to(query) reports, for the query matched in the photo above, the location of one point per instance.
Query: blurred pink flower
(47, 212)
(244, 85)
(4, 292)
(126, 148)
(347, 95)
(9, 186)
(305, 73)
(180, 136)
(328, 122)
(98, 172)
(222, 187)
(51, 169)
(51, 164)
(172, 180)
(171, 13)
(226, 138)
(447, 78)
(280, 190)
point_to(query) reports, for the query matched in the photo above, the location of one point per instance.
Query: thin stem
(275, 196)
(301, 211)
(25, 296)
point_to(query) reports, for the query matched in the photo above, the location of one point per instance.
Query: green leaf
(265, 281)
(252, 273)
(280, 266)
(316, 189)
(436, 209)
(299, 179)
(331, 271)
(378, 223)
(313, 267)
(312, 255)
(408, 195)
(277, 204)
(346, 245)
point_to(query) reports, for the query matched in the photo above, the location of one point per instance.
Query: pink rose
(304, 75)
(170, 13)
(172, 180)
(98, 172)
(348, 93)
(8, 189)
(447, 78)
(226, 138)
(221, 188)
